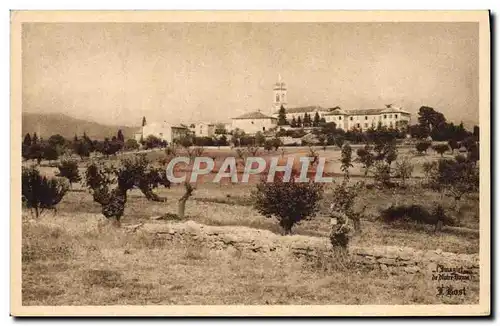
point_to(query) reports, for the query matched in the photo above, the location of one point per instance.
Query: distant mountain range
(47, 124)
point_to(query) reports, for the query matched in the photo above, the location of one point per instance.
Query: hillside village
(281, 121)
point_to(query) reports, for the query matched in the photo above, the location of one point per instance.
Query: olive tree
(40, 192)
(289, 202)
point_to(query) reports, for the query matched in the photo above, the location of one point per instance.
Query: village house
(162, 130)
(254, 122)
(202, 129)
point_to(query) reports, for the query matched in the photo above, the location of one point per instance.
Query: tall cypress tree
(120, 136)
(282, 116)
(307, 120)
(299, 122)
(143, 121)
(316, 120)
(27, 140)
(34, 139)
(293, 124)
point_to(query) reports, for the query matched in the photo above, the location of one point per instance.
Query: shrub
(259, 139)
(292, 133)
(247, 140)
(346, 159)
(131, 145)
(441, 148)
(423, 146)
(340, 233)
(289, 202)
(137, 172)
(404, 170)
(453, 145)
(385, 149)
(382, 175)
(81, 148)
(366, 158)
(268, 145)
(429, 170)
(416, 213)
(69, 169)
(36, 152)
(39, 192)
(276, 143)
(50, 152)
(153, 142)
(203, 141)
(473, 154)
(339, 141)
(469, 143)
(456, 178)
(343, 199)
(222, 141)
(390, 153)
(109, 185)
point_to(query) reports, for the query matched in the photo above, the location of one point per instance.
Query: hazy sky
(115, 73)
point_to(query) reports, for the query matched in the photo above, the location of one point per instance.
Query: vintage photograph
(269, 161)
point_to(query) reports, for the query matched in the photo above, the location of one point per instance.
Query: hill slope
(47, 124)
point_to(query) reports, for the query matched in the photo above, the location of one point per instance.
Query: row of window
(366, 117)
(358, 125)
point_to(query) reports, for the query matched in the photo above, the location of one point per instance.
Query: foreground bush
(39, 192)
(289, 202)
(423, 146)
(455, 178)
(69, 169)
(343, 200)
(109, 184)
(404, 170)
(441, 148)
(418, 214)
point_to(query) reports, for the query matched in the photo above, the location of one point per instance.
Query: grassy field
(73, 258)
(69, 260)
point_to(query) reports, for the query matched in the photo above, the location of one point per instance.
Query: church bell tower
(279, 92)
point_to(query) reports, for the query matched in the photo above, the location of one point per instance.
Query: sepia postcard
(250, 163)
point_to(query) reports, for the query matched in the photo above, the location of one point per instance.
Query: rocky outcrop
(390, 258)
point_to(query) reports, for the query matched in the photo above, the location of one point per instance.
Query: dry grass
(74, 258)
(231, 205)
(106, 266)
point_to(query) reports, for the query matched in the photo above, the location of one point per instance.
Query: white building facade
(162, 130)
(359, 119)
(254, 122)
(203, 129)
(390, 117)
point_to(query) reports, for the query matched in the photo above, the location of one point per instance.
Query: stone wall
(390, 258)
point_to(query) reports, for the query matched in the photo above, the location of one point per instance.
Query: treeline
(432, 123)
(300, 122)
(36, 148)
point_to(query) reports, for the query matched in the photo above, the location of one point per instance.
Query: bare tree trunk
(439, 226)
(457, 210)
(357, 225)
(181, 208)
